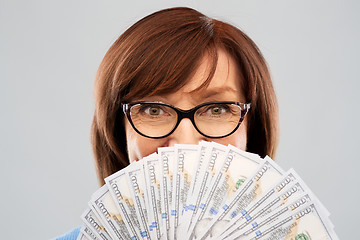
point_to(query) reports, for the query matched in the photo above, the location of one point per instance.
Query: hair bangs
(164, 58)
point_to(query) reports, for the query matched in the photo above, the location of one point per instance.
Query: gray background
(50, 51)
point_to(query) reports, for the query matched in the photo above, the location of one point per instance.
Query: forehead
(225, 83)
(227, 75)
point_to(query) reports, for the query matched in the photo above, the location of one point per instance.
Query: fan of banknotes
(205, 191)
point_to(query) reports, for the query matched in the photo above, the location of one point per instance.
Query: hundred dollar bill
(119, 188)
(103, 202)
(92, 221)
(300, 220)
(87, 233)
(267, 220)
(284, 192)
(167, 162)
(186, 157)
(152, 170)
(205, 153)
(290, 188)
(265, 176)
(236, 168)
(136, 179)
(204, 156)
(212, 162)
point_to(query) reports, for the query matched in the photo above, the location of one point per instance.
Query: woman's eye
(154, 111)
(216, 110)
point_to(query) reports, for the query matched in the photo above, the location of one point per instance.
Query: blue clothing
(70, 235)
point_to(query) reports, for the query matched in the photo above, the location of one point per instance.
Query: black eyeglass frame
(181, 114)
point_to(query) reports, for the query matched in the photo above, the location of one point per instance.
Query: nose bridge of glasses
(186, 114)
(183, 114)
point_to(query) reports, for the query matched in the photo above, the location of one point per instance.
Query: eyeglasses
(159, 120)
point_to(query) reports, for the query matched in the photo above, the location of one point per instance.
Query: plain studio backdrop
(49, 54)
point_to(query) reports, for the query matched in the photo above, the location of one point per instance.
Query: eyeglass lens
(153, 120)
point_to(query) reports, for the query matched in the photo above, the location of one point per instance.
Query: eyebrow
(204, 95)
(216, 91)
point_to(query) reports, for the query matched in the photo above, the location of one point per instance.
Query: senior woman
(178, 76)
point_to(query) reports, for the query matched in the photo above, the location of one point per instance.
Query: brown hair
(158, 55)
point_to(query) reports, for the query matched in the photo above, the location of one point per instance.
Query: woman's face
(225, 86)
